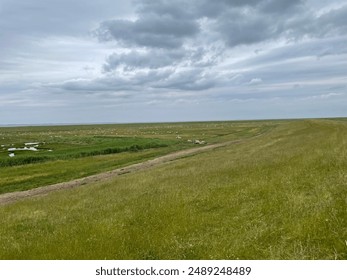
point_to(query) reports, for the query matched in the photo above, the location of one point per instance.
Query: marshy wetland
(273, 190)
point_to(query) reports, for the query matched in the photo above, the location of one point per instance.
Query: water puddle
(29, 146)
(23, 149)
(32, 143)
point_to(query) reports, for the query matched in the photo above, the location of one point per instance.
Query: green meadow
(63, 153)
(279, 193)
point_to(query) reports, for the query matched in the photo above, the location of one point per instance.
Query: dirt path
(8, 198)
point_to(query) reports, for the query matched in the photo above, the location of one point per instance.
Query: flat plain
(277, 191)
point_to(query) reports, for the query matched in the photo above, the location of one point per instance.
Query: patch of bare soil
(8, 198)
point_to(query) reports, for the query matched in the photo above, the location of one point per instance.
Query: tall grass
(81, 152)
(281, 195)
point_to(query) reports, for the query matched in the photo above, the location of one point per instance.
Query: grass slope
(278, 196)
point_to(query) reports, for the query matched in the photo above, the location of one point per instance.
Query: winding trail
(8, 198)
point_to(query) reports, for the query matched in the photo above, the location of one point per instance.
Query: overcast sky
(79, 61)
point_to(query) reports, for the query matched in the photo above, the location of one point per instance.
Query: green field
(279, 195)
(69, 152)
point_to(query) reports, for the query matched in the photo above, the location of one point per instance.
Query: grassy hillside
(282, 195)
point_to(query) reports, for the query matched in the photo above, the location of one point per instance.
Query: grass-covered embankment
(278, 196)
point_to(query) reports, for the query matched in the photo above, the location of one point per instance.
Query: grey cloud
(329, 24)
(164, 33)
(333, 22)
(236, 3)
(318, 48)
(151, 59)
(178, 9)
(191, 79)
(159, 58)
(255, 81)
(213, 9)
(164, 25)
(111, 82)
(293, 22)
(237, 28)
(307, 71)
(161, 31)
(282, 6)
(148, 79)
(262, 21)
(167, 24)
(102, 84)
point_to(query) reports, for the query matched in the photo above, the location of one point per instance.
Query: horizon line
(159, 122)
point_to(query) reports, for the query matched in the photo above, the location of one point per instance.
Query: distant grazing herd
(192, 141)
